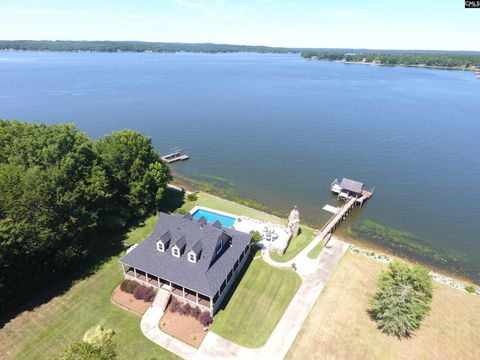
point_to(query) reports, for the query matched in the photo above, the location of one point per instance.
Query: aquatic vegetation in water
(224, 192)
(405, 243)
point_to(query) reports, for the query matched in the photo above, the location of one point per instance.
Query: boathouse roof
(351, 185)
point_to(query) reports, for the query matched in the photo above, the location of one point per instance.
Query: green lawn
(43, 332)
(217, 203)
(296, 245)
(257, 304)
(313, 254)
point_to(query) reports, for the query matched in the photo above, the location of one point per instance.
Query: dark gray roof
(202, 220)
(197, 248)
(351, 185)
(166, 237)
(217, 224)
(207, 274)
(188, 216)
(181, 242)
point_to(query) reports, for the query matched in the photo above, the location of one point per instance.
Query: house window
(219, 247)
(192, 257)
(160, 246)
(175, 251)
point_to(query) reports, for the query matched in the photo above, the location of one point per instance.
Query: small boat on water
(477, 74)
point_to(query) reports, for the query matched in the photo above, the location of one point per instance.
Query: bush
(97, 335)
(144, 293)
(128, 286)
(187, 310)
(180, 211)
(196, 312)
(470, 289)
(174, 305)
(256, 236)
(97, 343)
(402, 299)
(192, 197)
(205, 319)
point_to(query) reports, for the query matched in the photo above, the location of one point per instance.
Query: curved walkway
(314, 274)
(150, 328)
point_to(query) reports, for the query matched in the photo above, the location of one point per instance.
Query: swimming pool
(226, 221)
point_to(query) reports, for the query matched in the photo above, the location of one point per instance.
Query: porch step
(161, 299)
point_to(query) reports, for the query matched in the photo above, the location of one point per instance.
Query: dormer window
(160, 246)
(219, 247)
(176, 251)
(192, 257)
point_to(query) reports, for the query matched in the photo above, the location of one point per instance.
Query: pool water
(226, 221)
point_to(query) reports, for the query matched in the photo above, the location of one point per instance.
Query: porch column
(211, 303)
(183, 291)
(196, 294)
(158, 281)
(146, 277)
(135, 272)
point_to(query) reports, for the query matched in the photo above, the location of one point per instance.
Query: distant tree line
(448, 60)
(62, 194)
(135, 46)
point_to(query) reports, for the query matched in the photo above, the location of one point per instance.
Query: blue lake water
(279, 129)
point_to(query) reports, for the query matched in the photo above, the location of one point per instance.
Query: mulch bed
(129, 302)
(183, 328)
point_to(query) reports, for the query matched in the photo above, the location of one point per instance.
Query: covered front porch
(183, 294)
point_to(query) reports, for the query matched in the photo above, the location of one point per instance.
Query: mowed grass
(217, 203)
(315, 252)
(339, 327)
(257, 304)
(44, 331)
(296, 245)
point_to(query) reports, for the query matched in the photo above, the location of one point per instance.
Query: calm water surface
(279, 129)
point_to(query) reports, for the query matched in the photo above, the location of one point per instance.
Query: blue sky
(404, 24)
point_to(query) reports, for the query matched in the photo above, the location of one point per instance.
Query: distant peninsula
(446, 60)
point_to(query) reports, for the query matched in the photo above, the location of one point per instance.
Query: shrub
(98, 335)
(402, 299)
(144, 293)
(97, 343)
(470, 289)
(196, 312)
(192, 197)
(181, 211)
(129, 286)
(194, 337)
(205, 319)
(174, 305)
(256, 236)
(187, 309)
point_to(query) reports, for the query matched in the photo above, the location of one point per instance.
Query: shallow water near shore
(278, 129)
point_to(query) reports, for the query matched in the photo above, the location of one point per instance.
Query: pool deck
(246, 225)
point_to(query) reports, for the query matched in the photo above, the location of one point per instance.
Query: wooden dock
(334, 222)
(175, 156)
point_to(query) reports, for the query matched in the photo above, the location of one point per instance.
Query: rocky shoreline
(442, 279)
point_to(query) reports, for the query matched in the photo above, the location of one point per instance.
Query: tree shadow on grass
(110, 244)
(172, 200)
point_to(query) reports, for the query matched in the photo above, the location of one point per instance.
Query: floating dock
(175, 155)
